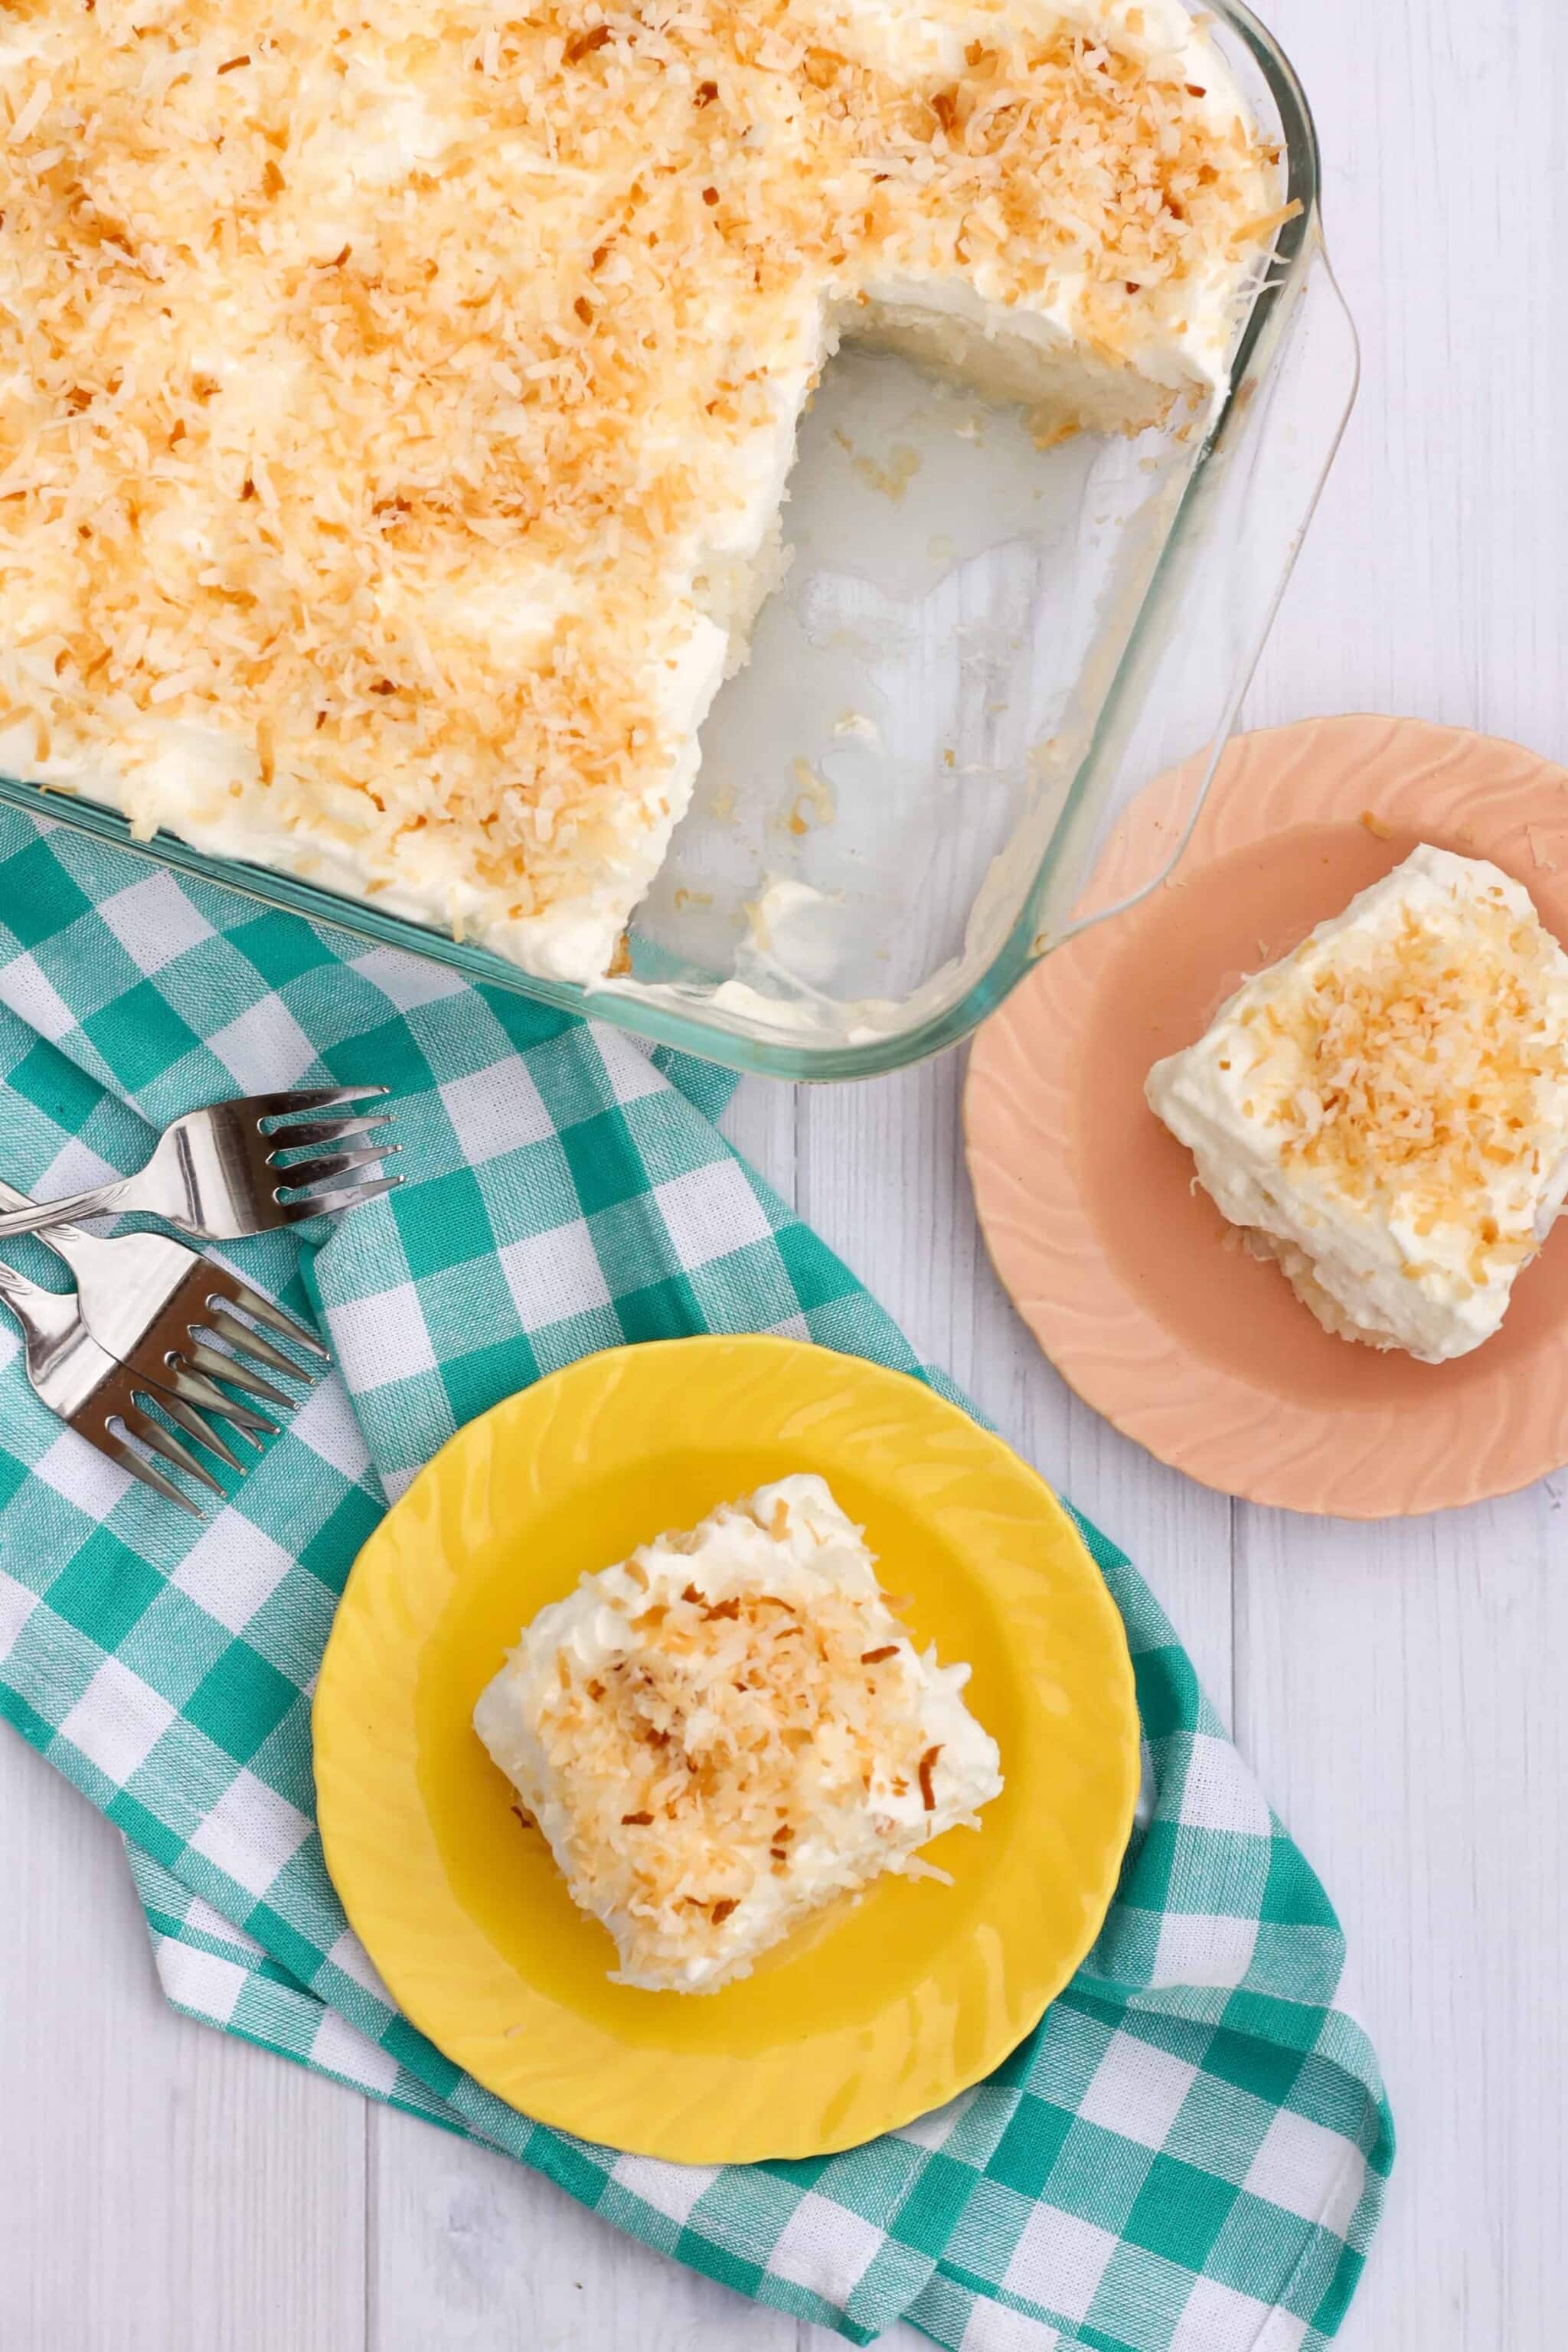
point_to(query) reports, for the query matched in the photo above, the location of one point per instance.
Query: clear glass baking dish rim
(1300, 267)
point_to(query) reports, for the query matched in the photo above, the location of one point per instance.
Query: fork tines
(188, 1392)
(327, 1204)
(212, 1364)
(325, 1130)
(291, 1099)
(230, 1287)
(118, 1421)
(239, 1335)
(173, 1354)
(306, 1137)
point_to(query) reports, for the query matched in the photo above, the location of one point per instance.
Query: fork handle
(49, 1314)
(57, 1238)
(37, 1214)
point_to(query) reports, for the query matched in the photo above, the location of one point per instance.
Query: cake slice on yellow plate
(727, 1730)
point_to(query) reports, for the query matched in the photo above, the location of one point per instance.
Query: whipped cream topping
(1387, 1110)
(727, 1730)
(396, 412)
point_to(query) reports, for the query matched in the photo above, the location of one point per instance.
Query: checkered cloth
(1187, 2156)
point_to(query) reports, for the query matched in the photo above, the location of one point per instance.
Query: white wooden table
(1398, 1689)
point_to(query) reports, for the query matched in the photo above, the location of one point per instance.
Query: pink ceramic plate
(1122, 1268)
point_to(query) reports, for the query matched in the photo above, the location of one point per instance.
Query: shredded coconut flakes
(365, 382)
(1428, 1063)
(727, 1727)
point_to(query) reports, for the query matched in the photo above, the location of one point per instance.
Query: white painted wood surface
(1398, 1689)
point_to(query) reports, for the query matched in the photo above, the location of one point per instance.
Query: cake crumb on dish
(729, 1729)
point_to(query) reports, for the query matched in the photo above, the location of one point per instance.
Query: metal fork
(91, 1391)
(146, 1299)
(218, 1173)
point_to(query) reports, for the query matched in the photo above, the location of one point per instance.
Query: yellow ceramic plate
(877, 2011)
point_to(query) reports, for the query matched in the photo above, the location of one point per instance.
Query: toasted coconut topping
(927, 1767)
(1428, 1063)
(731, 1724)
(371, 386)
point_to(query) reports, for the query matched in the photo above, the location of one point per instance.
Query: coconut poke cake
(727, 1730)
(1385, 1111)
(395, 408)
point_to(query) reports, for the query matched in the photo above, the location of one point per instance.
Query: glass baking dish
(979, 651)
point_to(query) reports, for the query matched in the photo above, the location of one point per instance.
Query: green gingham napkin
(1187, 2156)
